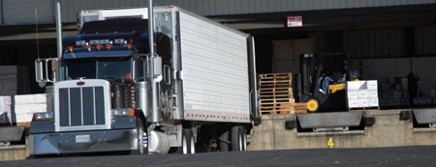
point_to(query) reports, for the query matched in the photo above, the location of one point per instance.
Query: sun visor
(98, 54)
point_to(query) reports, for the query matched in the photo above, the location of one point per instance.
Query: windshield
(109, 68)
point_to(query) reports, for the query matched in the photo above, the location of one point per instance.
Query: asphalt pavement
(400, 156)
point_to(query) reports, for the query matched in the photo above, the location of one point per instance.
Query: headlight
(43, 116)
(123, 112)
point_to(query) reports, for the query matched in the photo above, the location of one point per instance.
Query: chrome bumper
(83, 141)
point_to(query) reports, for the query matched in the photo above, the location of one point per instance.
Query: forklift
(313, 70)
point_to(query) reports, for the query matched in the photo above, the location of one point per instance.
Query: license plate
(83, 138)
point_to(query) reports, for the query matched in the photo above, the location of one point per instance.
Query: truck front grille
(82, 106)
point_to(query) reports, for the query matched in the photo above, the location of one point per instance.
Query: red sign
(295, 21)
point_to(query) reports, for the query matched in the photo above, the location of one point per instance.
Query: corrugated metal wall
(225, 7)
(381, 43)
(425, 41)
(20, 11)
(389, 43)
(23, 11)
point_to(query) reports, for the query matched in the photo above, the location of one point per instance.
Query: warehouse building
(386, 39)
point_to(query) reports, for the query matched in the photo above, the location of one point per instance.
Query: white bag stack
(26, 105)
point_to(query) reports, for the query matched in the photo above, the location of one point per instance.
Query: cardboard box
(355, 85)
(352, 103)
(362, 94)
(352, 94)
(372, 94)
(372, 102)
(372, 85)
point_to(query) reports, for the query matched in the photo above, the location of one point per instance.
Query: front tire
(142, 139)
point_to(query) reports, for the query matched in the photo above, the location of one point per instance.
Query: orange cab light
(129, 45)
(88, 47)
(108, 46)
(128, 76)
(132, 112)
(98, 46)
(70, 48)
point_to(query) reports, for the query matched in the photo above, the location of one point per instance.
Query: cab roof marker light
(80, 43)
(70, 48)
(88, 46)
(104, 41)
(94, 42)
(98, 46)
(108, 46)
(120, 41)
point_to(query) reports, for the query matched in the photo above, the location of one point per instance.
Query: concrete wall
(388, 131)
(13, 153)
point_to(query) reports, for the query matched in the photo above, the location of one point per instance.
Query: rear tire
(238, 138)
(191, 140)
(188, 142)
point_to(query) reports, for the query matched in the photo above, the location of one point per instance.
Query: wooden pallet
(275, 80)
(297, 108)
(276, 100)
(283, 108)
(275, 75)
(275, 111)
(276, 94)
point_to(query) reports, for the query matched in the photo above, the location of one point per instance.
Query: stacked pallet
(276, 95)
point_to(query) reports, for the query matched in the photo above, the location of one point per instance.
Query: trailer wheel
(188, 142)
(239, 138)
(142, 139)
(244, 138)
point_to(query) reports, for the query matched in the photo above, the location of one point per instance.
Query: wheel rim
(312, 105)
(140, 140)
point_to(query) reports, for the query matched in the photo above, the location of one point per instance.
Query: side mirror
(39, 72)
(154, 64)
(45, 70)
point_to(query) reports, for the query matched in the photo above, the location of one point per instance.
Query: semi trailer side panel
(215, 71)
